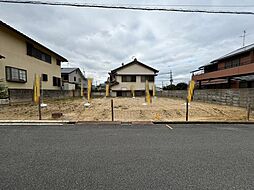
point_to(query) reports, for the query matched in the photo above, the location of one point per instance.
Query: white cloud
(99, 40)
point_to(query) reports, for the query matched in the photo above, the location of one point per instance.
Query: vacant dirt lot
(125, 109)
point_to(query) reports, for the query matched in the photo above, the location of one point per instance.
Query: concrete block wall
(173, 93)
(234, 97)
(26, 95)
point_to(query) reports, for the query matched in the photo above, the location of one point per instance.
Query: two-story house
(131, 76)
(233, 70)
(23, 57)
(72, 78)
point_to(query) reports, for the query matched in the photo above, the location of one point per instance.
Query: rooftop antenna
(243, 36)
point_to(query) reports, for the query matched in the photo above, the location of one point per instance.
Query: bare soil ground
(126, 109)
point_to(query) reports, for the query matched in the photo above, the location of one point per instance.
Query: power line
(127, 7)
(184, 5)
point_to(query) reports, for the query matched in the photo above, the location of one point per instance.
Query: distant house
(22, 57)
(72, 78)
(101, 87)
(131, 76)
(233, 70)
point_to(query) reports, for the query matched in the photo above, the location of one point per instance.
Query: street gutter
(66, 122)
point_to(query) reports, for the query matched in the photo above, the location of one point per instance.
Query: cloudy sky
(99, 40)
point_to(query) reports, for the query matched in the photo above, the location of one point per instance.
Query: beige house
(23, 57)
(131, 76)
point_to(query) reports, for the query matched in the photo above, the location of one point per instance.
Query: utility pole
(171, 77)
(243, 36)
(162, 84)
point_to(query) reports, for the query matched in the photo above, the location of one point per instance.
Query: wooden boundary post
(112, 109)
(248, 111)
(187, 109)
(40, 98)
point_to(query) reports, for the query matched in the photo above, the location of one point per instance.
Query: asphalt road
(127, 157)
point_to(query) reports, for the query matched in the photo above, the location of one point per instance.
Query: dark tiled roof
(236, 52)
(68, 70)
(135, 61)
(231, 54)
(32, 41)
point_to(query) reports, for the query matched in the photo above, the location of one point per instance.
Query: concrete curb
(203, 122)
(99, 122)
(35, 122)
(64, 122)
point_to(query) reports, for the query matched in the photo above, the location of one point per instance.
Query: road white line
(169, 127)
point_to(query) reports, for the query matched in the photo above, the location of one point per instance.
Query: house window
(56, 81)
(149, 78)
(15, 74)
(232, 63)
(58, 62)
(65, 77)
(128, 78)
(74, 79)
(34, 52)
(44, 77)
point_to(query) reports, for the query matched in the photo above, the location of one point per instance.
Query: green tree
(3, 91)
(170, 87)
(181, 86)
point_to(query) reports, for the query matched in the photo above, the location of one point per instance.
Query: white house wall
(78, 78)
(135, 69)
(138, 85)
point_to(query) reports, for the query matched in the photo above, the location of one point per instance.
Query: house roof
(231, 54)
(135, 61)
(2, 57)
(235, 52)
(70, 70)
(61, 58)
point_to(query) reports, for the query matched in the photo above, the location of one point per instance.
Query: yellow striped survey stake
(191, 90)
(154, 90)
(133, 90)
(107, 90)
(81, 89)
(89, 89)
(37, 89)
(148, 97)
